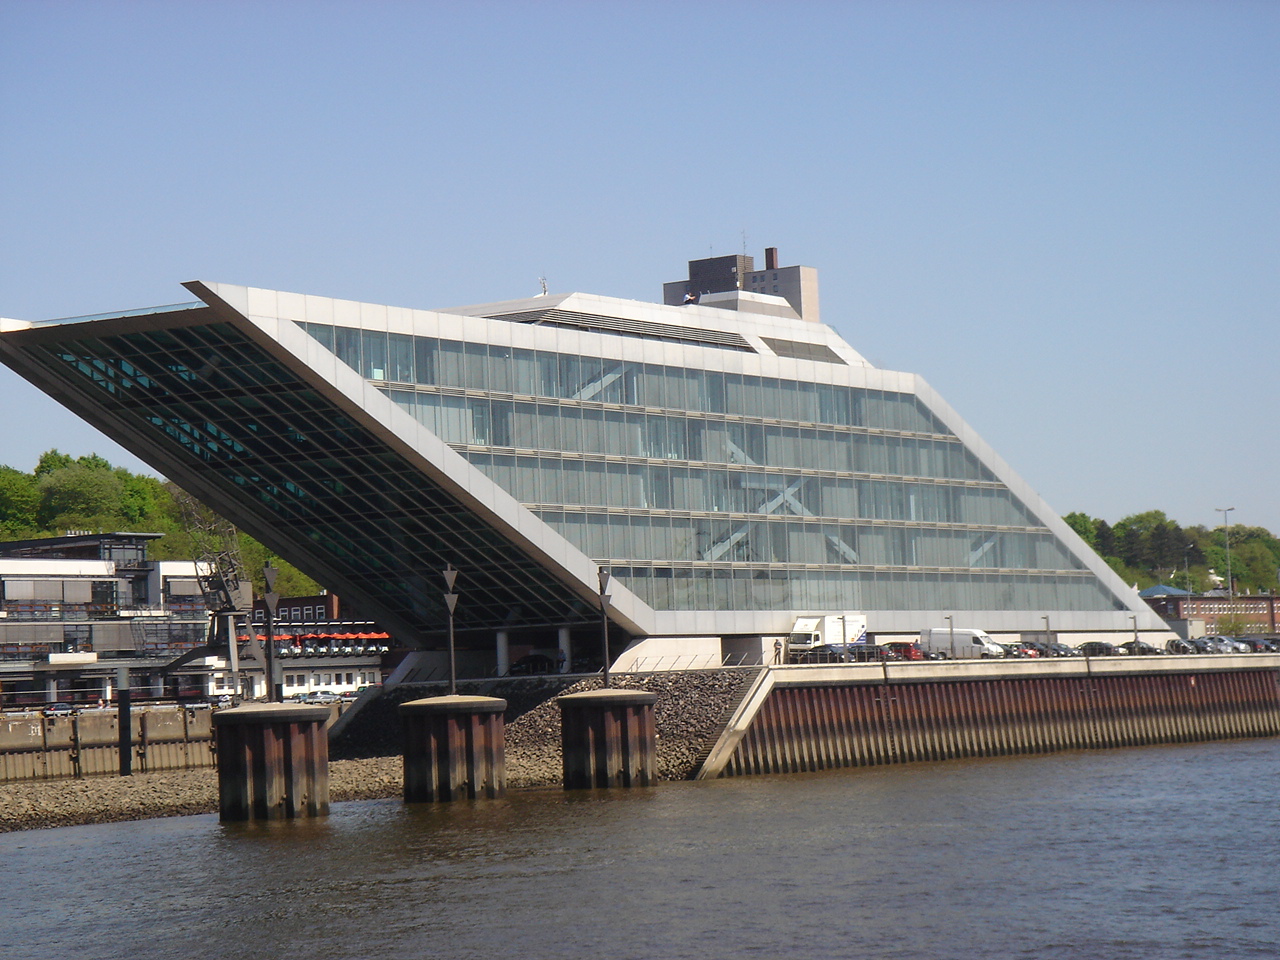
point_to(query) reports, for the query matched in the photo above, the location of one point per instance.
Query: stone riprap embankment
(366, 759)
(32, 804)
(688, 715)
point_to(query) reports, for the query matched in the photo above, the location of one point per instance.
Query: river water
(1156, 852)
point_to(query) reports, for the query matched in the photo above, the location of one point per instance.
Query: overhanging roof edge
(381, 416)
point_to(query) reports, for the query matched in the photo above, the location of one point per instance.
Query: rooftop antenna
(542, 281)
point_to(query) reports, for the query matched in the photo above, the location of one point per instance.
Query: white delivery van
(828, 630)
(959, 643)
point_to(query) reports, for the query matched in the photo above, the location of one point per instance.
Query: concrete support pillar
(51, 689)
(566, 651)
(454, 748)
(608, 739)
(504, 654)
(273, 762)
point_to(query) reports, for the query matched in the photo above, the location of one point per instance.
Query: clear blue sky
(1065, 216)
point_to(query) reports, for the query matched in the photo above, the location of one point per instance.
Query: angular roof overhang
(257, 419)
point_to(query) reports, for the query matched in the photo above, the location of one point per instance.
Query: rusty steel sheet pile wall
(608, 739)
(799, 727)
(454, 748)
(34, 747)
(273, 762)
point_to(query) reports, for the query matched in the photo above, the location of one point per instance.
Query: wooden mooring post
(454, 748)
(273, 762)
(608, 739)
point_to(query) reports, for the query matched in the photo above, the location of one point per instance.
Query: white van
(960, 644)
(834, 629)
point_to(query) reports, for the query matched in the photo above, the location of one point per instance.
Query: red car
(907, 650)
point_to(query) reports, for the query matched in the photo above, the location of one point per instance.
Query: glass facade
(704, 490)
(279, 459)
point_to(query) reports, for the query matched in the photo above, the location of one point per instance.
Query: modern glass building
(732, 464)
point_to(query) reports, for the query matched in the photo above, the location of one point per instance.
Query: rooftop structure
(734, 283)
(733, 463)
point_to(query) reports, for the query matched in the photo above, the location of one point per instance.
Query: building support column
(566, 651)
(504, 654)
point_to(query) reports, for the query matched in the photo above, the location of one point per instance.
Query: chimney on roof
(771, 258)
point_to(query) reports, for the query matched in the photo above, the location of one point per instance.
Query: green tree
(80, 497)
(290, 581)
(1106, 539)
(19, 501)
(1085, 526)
(52, 460)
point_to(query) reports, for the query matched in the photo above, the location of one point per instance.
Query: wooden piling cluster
(801, 728)
(454, 748)
(273, 762)
(608, 739)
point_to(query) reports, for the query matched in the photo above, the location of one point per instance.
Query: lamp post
(269, 574)
(1226, 536)
(451, 601)
(1047, 632)
(1134, 620)
(604, 620)
(952, 627)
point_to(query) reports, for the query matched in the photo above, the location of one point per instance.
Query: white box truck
(960, 643)
(827, 630)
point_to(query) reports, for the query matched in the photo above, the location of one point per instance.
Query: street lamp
(451, 601)
(1047, 632)
(604, 620)
(952, 627)
(1226, 536)
(1134, 620)
(269, 573)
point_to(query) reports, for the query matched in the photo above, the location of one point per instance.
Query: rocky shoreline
(688, 715)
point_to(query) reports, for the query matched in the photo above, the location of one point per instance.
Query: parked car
(1178, 645)
(844, 653)
(1139, 648)
(1261, 644)
(823, 653)
(532, 664)
(1221, 644)
(59, 710)
(322, 696)
(1096, 648)
(907, 650)
(863, 652)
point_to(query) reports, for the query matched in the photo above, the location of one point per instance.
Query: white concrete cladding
(639, 334)
(733, 469)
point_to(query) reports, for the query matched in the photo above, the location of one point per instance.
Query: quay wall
(815, 717)
(86, 744)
